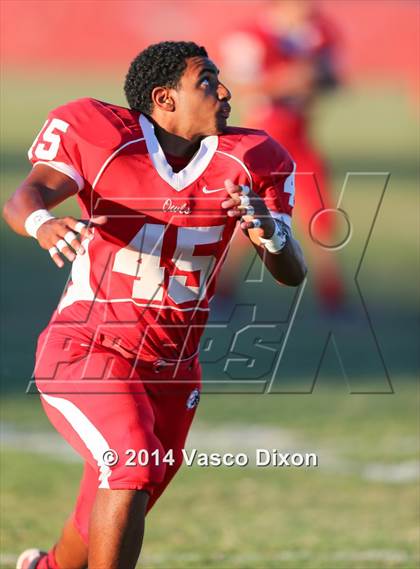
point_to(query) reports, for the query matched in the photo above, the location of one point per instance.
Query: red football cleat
(29, 559)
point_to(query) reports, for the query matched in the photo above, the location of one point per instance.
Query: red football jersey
(251, 52)
(147, 275)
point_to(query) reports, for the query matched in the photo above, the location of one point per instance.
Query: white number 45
(46, 145)
(142, 259)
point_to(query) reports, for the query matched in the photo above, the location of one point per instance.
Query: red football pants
(107, 406)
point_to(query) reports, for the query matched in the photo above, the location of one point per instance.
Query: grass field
(360, 508)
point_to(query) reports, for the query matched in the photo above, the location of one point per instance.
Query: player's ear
(163, 99)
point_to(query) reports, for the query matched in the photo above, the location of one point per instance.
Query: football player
(161, 186)
(281, 64)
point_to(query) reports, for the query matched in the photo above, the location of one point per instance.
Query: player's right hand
(62, 237)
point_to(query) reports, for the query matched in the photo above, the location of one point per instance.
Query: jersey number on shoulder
(47, 142)
(142, 260)
(289, 187)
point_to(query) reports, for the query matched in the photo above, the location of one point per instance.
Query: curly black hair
(159, 65)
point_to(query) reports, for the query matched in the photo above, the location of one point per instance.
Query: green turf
(245, 517)
(233, 518)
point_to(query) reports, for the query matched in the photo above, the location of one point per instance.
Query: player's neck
(174, 144)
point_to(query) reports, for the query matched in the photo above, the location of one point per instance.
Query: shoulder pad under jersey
(99, 123)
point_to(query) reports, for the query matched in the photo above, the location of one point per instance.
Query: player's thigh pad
(174, 406)
(106, 421)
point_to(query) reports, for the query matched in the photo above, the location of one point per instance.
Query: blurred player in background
(279, 65)
(117, 367)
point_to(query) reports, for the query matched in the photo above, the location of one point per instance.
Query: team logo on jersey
(184, 208)
(193, 398)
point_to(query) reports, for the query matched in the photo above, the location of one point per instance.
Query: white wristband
(277, 242)
(34, 221)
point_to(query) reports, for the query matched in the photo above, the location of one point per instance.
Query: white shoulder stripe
(111, 157)
(248, 173)
(283, 216)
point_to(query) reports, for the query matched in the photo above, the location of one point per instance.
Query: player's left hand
(248, 205)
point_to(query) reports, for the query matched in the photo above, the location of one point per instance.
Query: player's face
(202, 100)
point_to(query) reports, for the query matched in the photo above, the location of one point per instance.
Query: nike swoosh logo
(207, 191)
